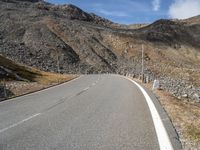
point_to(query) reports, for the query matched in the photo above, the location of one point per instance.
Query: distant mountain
(67, 39)
(192, 21)
(172, 33)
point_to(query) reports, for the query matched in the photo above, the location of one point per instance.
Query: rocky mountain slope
(17, 79)
(35, 31)
(64, 38)
(192, 21)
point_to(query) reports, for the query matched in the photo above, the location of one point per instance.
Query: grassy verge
(37, 79)
(32, 74)
(185, 117)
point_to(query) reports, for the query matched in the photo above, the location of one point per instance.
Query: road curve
(94, 112)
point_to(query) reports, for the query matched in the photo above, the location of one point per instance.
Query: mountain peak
(74, 12)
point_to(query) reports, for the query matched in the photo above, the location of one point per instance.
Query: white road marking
(163, 138)
(20, 122)
(37, 92)
(33, 116)
(86, 89)
(74, 79)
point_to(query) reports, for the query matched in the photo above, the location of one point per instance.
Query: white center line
(20, 122)
(33, 116)
(86, 89)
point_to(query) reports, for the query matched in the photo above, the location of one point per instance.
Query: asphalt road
(95, 112)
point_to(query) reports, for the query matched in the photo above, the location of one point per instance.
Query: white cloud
(182, 9)
(113, 13)
(156, 5)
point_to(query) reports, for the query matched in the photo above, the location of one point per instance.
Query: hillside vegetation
(17, 79)
(28, 74)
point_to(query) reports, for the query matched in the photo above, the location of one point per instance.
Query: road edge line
(41, 90)
(162, 135)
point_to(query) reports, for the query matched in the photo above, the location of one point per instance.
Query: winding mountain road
(93, 112)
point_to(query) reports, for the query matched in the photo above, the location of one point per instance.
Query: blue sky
(137, 11)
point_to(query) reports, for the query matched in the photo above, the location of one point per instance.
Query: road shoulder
(170, 129)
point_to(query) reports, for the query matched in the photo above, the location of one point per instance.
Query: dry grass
(190, 75)
(50, 78)
(185, 117)
(38, 80)
(32, 74)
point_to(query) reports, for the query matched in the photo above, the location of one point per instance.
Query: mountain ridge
(40, 33)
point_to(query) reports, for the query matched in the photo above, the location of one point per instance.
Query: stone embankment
(180, 88)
